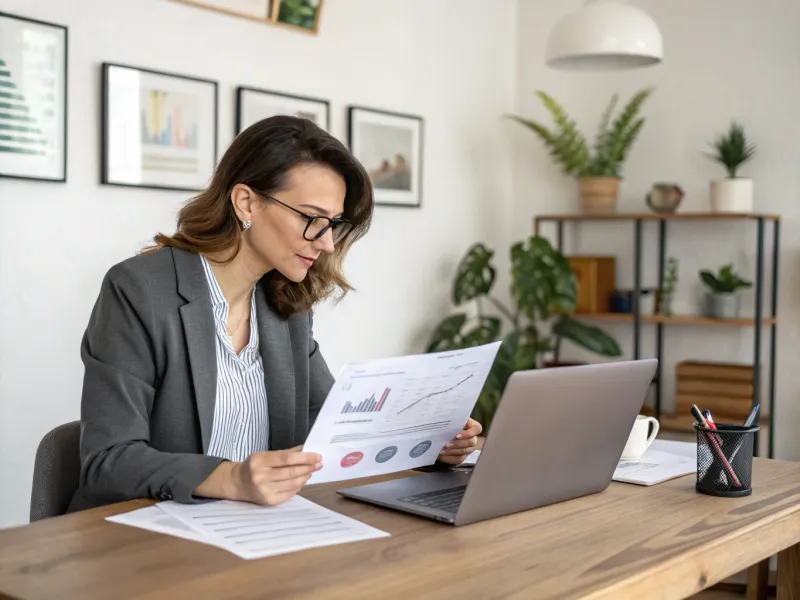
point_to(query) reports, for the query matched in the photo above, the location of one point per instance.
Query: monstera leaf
(450, 334)
(586, 336)
(542, 282)
(475, 275)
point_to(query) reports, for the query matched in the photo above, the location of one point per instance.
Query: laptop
(557, 434)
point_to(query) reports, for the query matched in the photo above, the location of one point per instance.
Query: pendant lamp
(604, 36)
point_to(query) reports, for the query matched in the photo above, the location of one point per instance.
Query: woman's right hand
(270, 478)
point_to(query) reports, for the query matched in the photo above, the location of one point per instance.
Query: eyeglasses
(318, 225)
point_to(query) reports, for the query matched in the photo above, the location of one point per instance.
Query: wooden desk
(662, 542)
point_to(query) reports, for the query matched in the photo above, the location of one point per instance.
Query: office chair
(56, 471)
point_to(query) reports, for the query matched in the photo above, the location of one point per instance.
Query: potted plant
(598, 169)
(732, 150)
(544, 293)
(722, 296)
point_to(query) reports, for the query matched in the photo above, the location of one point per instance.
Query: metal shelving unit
(761, 318)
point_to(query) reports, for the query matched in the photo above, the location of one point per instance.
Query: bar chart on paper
(368, 405)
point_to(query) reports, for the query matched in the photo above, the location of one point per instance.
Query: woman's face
(275, 239)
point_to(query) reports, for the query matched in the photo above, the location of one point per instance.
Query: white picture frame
(33, 99)
(390, 147)
(254, 104)
(159, 129)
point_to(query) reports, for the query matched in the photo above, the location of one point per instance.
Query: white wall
(724, 59)
(451, 61)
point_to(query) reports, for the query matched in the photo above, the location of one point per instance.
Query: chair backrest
(56, 471)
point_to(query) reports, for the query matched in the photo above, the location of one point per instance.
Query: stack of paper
(251, 531)
(664, 460)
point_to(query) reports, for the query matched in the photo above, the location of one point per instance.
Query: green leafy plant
(732, 149)
(667, 293)
(726, 281)
(544, 292)
(570, 149)
(302, 13)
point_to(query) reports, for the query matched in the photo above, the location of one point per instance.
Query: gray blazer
(149, 387)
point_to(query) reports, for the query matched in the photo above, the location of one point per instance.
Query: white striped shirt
(241, 424)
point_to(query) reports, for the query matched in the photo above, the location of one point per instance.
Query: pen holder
(725, 460)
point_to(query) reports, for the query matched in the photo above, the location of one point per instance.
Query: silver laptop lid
(557, 434)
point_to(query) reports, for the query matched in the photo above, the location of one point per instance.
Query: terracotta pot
(598, 194)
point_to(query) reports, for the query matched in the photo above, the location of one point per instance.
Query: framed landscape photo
(389, 145)
(33, 99)
(159, 129)
(253, 105)
(302, 15)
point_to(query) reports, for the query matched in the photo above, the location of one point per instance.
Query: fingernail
(459, 436)
(319, 465)
(450, 445)
(319, 458)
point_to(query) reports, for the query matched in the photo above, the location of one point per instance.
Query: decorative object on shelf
(622, 302)
(664, 197)
(722, 297)
(604, 36)
(725, 389)
(389, 145)
(544, 291)
(33, 99)
(666, 294)
(594, 280)
(159, 129)
(254, 104)
(732, 150)
(599, 169)
(299, 14)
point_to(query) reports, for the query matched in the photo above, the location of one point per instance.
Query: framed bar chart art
(33, 99)
(389, 145)
(159, 129)
(253, 105)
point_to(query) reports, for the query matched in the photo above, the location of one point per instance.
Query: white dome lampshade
(604, 36)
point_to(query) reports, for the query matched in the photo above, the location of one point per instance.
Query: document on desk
(250, 531)
(154, 519)
(655, 466)
(393, 414)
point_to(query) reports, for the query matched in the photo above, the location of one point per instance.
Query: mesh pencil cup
(725, 460)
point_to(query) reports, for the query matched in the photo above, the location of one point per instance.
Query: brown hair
(260, 157)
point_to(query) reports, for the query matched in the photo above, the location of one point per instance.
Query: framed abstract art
(33, 99)
(159, 129)
(254, 104)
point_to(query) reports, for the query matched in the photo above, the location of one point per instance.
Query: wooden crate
(725, 389)
(595, 278)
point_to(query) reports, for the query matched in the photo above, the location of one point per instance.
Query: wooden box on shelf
(595, 279)
(725, 389)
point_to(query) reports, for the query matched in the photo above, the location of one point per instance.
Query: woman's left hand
(462, 445)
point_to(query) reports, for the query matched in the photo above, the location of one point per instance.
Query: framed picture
(159, 129)
(253, 105)
(389, 145)
(257, 10)
(302, 15)
(33, 99)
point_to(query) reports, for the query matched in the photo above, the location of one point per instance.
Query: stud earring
(247, 224)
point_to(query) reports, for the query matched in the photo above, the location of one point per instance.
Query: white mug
(638, 439)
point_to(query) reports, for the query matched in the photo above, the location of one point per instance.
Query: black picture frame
(241, 91)
(210, 138)
(390, 194)
(63, 112)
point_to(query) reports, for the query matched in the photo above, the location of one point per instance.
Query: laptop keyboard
(446, 500)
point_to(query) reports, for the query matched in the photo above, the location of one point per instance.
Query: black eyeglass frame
(311, 218)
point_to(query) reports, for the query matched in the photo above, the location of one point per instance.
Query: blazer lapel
(198, 328)
(276, 355)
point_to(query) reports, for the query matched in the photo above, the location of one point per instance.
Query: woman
(202, 375)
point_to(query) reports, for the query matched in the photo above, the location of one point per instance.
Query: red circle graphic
(352, 459)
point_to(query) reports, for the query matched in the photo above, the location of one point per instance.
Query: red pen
(715, 443)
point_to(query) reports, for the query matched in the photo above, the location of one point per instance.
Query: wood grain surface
(662, 542)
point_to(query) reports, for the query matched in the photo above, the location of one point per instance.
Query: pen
(715, 443)
(751, 417)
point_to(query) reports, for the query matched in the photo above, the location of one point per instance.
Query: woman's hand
(270, 478)
(463, 444)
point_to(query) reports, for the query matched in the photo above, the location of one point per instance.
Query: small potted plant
(597, 167)
(722, 292)
(732, 150)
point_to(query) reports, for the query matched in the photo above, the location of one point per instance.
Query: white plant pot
(732, 195)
